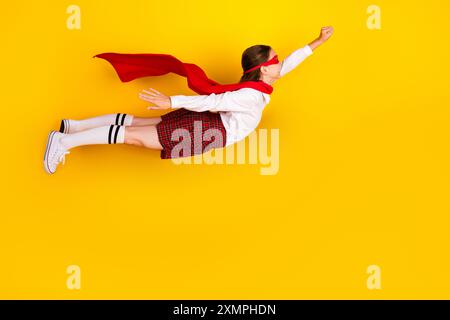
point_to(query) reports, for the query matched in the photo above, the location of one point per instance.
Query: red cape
(133, 66)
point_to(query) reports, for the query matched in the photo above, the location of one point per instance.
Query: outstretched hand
(159, 100)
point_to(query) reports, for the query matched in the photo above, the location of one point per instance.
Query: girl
(231, 115)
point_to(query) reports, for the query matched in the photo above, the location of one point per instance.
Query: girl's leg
(140, 121)
(143, 136)
(58, 144)
(123, 119)
(72, 126)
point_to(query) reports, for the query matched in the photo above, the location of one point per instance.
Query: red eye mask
(274, 60)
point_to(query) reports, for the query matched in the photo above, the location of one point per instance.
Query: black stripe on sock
(115, 134)
(123, 119)
(109, 135)
(117, 119)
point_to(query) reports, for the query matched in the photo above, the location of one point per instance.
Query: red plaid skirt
(195, 124)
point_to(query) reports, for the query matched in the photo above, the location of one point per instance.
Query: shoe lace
(62, 157)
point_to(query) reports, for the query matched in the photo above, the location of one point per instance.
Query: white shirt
(240, 110)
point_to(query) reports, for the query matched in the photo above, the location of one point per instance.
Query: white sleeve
(227, 101)
(294, 59)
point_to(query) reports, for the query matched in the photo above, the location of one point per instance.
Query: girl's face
(272, 72)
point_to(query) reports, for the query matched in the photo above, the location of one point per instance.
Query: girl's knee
(132, 135)
(143, 136)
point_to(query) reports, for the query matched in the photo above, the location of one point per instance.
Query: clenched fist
(325, 33)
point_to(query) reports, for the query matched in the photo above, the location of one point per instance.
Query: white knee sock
(122, 119)
(111, 134)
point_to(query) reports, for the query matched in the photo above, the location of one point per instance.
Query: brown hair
(252, 57)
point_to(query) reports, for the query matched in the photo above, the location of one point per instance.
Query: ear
(263, 69)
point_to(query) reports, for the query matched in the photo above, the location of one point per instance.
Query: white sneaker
(67, 126)
(55, 152)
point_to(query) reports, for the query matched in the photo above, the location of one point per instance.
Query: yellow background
(364, 156)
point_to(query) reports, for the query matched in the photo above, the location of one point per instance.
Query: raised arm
(294, 59)
(299, 55)
(239, 100)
